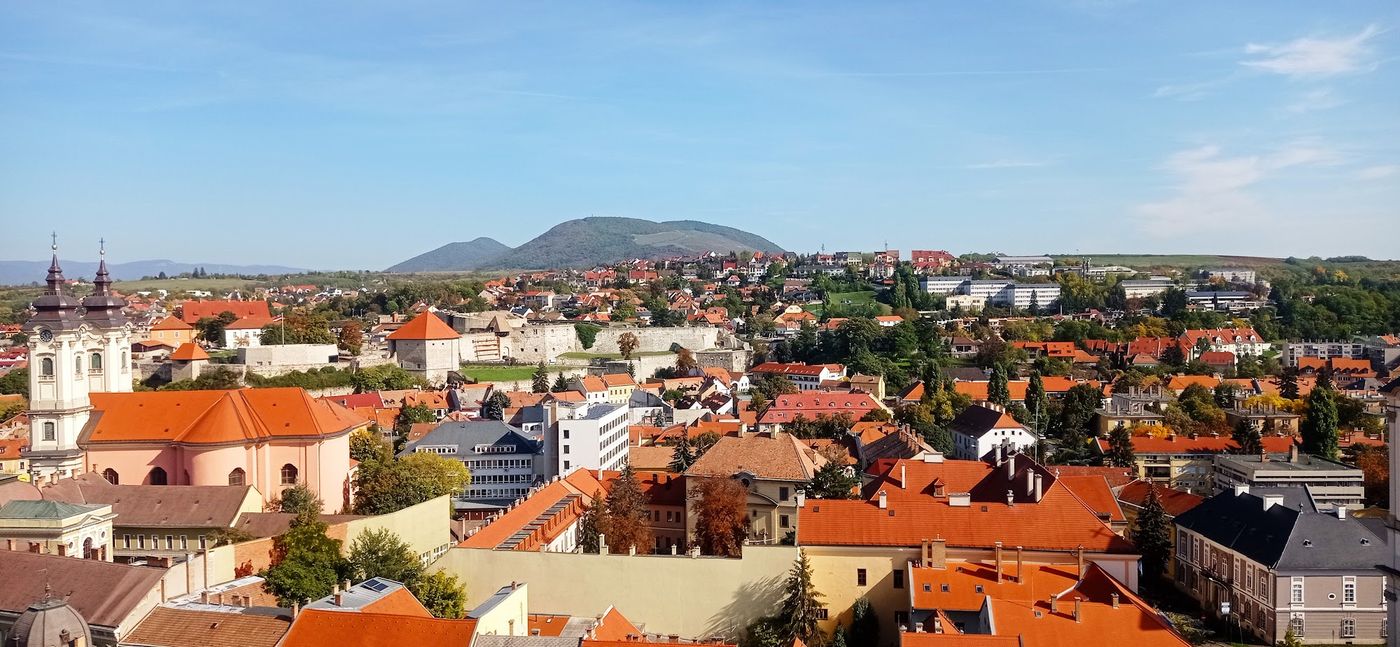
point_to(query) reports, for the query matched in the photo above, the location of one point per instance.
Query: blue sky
(356, 134)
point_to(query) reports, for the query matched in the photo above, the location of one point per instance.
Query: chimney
(1271, 500)
(801, 497)
(1020, 572)
(883, 502)
(937, 554)
(1292, 452)
(1079, 559)
(1077, 601)
(1341, 511)
(602, 544)
(1010, 497)
(1054, 602)
(1114, 598)
(998, 549)
(1241, 488)
(204, 597)
(1030, 482)
(1263, 454)
(903, 477)
(1010, 469)
(339, 598)
(346, 587)
(1039, 487)
(335, 588)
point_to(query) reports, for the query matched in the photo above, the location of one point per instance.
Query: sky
(357, 134)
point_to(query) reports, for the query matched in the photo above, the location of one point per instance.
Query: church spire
(55, 279)
(103, 308)
(55, 309)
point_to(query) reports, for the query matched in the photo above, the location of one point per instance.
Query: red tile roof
(171, 323)
(809, 405)
(192, 311)
(318, 628)
(1199, 445)
(424, 327)
(1094, 492)
(215, 417)
(1175, 501)
(575, 492)
(189, 352)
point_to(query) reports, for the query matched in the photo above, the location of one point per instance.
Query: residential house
(785, 409)
(772, 467)
(806, 377)
(1270, 561)
(172, 331)
(982, 428)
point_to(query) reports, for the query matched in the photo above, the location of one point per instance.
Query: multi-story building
(55, 528)
(1391, 391)
(1229, 274)
(585, 434)
(1270, 561)
(1294, 351)
(1187, 462)
(504, 462)
(1330, 483)
(1266, 420)
(1240, 341)
(773, 468)
(806, 377)
(994, 292)
(942, 284)
(1140, 289)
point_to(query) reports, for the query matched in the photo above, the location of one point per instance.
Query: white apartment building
(587, 435)
(1145, 288)
(1322, 350)
(504, 462)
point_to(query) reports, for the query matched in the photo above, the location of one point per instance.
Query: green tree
(1072, 425)
(211, 329)
(382, 553)
(299, 500)
(683, 456)
(366, 446)
(560, 384)
(1035, 394)
(298, 328)
(1152, 532)
(411, 415)
(801, 606)
(494, 408)
(385, 377)
(1290, 639)
(998, 392)
(1288, 383)
(1120, 447)
(1319, 428)
(442, 594)
(306, 564)
(1248, 438)
(833, 481)
(413, 479)
(865, 624)
(590, 525)
(539, 381)
(15, 382)
(765, 632)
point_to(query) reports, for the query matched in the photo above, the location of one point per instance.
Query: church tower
(58, 381)
(107, 340)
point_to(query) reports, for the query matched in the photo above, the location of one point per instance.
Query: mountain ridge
(26, 272)
(468, 255)
(600, 240)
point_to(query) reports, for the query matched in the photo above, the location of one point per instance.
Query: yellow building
(172, 331)
(773, 468)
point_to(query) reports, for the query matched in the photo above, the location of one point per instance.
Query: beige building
(54, 528)
(773, 467)
(1268, 561)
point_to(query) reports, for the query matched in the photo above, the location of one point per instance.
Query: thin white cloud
(1213, 191)
(1006, 163)
(1313, 57)
(1378, 172)
(1315, 100)
(1190, 91)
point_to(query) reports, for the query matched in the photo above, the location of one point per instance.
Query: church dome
(50, 622)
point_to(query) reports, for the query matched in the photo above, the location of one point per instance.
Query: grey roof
(358, 596)
(467, 434)
(976, 421)
(44, 510)
(1289, 536)
(1306, 463)
(644, 399)
(600, 411)
(176, 506)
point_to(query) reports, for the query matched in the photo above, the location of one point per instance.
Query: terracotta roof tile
(424, 327)
(1094, 492)
(317, 628)
(781, 458)
(189, 352)
(214, 417)
(171, 627)
(192, 311)
(171, 323)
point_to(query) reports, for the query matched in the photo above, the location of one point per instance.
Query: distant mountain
(586, 242)
(454, 256)
(26, 272)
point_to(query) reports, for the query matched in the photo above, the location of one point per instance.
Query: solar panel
(376, 585)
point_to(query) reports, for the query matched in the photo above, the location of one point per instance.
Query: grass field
(500, 373)
(183, 285)
(848, 299)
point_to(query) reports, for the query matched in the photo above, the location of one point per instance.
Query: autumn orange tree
(624, 525)
(721, 520)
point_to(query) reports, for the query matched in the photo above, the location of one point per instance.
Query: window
(50, 431)
(1296, 591)
(1348, 628)
(289, 474)
(111, 476)
(95, 362)
(156, 477)
(566, 434)
(1296, 624)
(140, 541)
(898, 579)
(46, 367)
(202, 545)
(170, 542)
(784, 522)
(237, 476)
(860, 577)
(782, 494)
(822, 613)
(184, 542)
(126, 541)
(1349, 589)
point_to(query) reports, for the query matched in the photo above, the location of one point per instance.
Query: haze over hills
(586, 242)
(25, 272)
(469, 255)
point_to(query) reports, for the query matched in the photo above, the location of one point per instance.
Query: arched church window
(50, 431)
(156, 477)
(111, 476)
(289, 474)
(78, 365)
(46, 367)
(237, 476)
(95, 362)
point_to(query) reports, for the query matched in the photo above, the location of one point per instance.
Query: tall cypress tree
(1120, 447)
(1153, 535)
(998, 392)
(1035, 395)
(801, 605)
(1319, 430)
(1248, 438)
(1288, 383)
(539, 382)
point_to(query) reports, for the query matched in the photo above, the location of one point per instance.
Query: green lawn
(500, 372)
(847, 299)
(183, 285)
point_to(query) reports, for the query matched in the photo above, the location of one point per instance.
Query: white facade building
(587, 435)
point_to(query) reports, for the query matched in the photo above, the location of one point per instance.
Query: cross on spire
(101, 246)
(54, 237)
